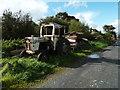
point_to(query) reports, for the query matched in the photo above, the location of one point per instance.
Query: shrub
(22, 70)
(9, 45)
(100, 44)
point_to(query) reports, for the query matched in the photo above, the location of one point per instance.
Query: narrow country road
(90, 72)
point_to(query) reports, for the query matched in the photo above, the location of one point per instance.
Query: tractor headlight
(27, 41)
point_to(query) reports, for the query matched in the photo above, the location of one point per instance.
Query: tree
(62, 15)
(16, 25)
(0, 27)
(108, 28)
(77, 26)
(110, 31)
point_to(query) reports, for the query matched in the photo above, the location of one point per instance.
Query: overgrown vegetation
(17, 70)
(9, 45)
(100, 44)
(20, 70)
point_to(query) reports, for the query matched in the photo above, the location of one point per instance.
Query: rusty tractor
(52, 40)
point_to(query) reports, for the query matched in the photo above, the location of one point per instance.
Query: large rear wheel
(63, 47)
(43, 56)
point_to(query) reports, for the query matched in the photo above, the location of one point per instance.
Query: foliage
(110, 36)
(0, 27)
(98, 45)
(93, 46)
(18, 70)
(52, 19)
(76, 26)
(9, 45)
(108, 28)
(88, 35)
(110, 33)
(63, 60)
(62, 15)
(17, 25)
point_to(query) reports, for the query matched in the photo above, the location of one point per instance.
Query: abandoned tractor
(52, 40)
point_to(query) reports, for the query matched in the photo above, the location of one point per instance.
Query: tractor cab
(52, 30)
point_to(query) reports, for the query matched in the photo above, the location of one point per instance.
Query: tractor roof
(51, 24)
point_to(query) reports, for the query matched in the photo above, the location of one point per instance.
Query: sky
(95, 14)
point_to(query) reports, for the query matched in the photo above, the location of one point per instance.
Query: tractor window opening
(47, 30)
(56, 31)
(61, 31)
(43, 31)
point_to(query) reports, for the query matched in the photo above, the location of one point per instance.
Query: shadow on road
(106, 50)
(113, 61)
(84, 61)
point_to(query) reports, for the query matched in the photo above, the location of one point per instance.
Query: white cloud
(86, 17)
(59, 9)
(75, 3)
(36, 8)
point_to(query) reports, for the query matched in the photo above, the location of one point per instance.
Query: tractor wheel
(43, 56)
(63, 47)
(23, 53)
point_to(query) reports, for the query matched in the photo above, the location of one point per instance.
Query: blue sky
(99, 13)
(94, 14)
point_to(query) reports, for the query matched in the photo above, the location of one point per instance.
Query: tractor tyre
(23, 53)
(63, 47)
(43, 56)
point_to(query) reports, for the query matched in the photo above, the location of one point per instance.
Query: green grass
(18, 72)
(98, 45)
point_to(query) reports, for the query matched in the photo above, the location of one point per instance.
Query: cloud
(86, 17)
(56, 10)
(75, 3)
(36, 8)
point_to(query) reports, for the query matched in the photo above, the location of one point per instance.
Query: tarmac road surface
(99, 72)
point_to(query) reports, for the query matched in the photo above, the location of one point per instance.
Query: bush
(16, 70)
(9, 45)
(100, 44)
